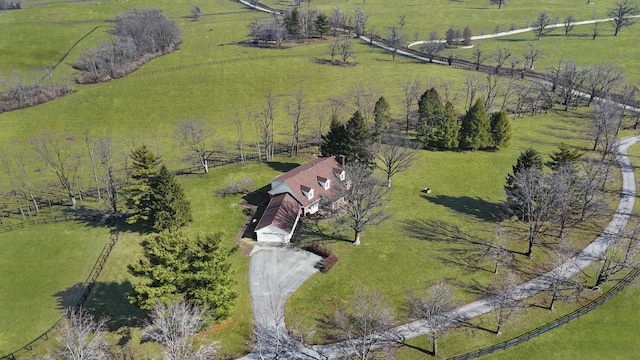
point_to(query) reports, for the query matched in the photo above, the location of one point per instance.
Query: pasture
(214, 77)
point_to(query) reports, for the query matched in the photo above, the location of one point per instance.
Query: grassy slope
(40, 275)
(143, 108)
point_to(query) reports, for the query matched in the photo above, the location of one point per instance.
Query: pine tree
(431, 113)
(176, 267)
(450, 128)
(292, 23)
(564, 156)
(500, 129)
(528, 159)
(322, 24)
(357, 137)
(144, 170)
(381, 118)
(475, 132)
(334, 142)
(170, 208)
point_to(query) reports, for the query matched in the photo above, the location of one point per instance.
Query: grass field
(42, 269)
(212, 77)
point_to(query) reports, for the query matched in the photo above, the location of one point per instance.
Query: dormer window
(324, 182)
(340, 174)
(307, 192)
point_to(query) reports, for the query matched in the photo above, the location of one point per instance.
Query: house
(298, 193)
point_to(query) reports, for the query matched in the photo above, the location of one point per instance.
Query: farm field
(215, 77)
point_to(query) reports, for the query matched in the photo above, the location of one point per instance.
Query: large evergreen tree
(475, 132)
(321, 23)
(528, 159)
(450, 128)
(564, 156)
(500, 129)
(431, 113)
(170, 208)
(381, 118)
(144, 170)
(292, 23)
(357, 136)
(335, 141)
(176, 267)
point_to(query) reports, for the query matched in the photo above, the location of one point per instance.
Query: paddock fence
(87, 285)
(592, 305)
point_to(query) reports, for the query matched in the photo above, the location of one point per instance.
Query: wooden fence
(88, 285)
(628, 279)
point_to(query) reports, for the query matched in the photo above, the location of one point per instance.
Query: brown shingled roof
(307, 176)
(282, 212)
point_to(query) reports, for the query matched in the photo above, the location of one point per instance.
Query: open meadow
(215, 76)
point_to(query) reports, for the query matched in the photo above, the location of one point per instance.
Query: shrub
(329, 256)
(328, 263)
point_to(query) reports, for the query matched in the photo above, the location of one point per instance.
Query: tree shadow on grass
(110, 299)
(481, 209)
(438, 231)
(282, 166)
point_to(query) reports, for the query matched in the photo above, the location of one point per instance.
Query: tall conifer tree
(170, 208)
(144, 170)
(500, 129)
(475, 132)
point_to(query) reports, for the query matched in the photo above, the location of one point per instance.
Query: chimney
(341, 159)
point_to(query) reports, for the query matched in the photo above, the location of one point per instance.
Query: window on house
(310, 194)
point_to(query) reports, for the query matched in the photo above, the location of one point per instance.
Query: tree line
(10, 5)
(139, 36)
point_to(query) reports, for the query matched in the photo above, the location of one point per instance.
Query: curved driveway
(276, 272)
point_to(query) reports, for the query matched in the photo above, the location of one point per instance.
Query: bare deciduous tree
(174, 327)
(561, 286)
(240, 132)
(82, 337)
(345, 48)
(436, 307)
(195, 137)
(495, 252)
(542, 25)
(472, 86)
(366, 324)
(622, 14)
(498, 2)
(365, 200)
(395, 38)
(104, 156)
(196, 12)
(364, 100)
(479, 56)
(59, 157)
(570, 79)
(359, 21)
(271, 338)
(395, 155)
(501, 57)
(296, 109)
(622, 253)
(569, 23)
(531, 56)
(267, 126)
(533, 201)
(433, 46)
(605, 124)
(337, 19)
(506, 299)
(411, 89)
(602, 79)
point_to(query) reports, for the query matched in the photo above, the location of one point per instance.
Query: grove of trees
(139, 36)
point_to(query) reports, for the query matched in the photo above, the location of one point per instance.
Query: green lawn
(212, 77)
(42, 269)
